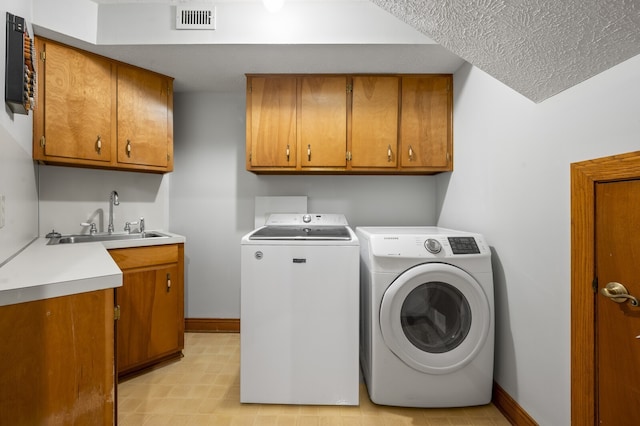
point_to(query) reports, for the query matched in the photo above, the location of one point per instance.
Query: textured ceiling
(537, 47)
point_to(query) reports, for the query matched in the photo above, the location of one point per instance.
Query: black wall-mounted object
(19, 69)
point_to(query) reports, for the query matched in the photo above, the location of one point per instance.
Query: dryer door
(435, 317)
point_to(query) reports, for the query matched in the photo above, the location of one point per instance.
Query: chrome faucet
(113, 201)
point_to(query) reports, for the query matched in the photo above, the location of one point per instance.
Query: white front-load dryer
(427, 316)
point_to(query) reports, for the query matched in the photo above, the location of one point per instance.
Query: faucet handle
(92, 227)
(127, 226)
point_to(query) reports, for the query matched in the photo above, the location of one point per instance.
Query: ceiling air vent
(195, 17)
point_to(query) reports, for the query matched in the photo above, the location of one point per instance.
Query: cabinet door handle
(389, 153)
(99, 145)
(128, 148)
(308, 152)
(288, 152)
(410, 153)
(168, 282)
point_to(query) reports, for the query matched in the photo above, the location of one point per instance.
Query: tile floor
(204, 389)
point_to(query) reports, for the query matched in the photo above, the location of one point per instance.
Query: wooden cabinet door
(426, 123)
(57, 361)
(374, 121)
(143, 117)
(271, 122)
(75, 105)
(322, 133)
(149, 316)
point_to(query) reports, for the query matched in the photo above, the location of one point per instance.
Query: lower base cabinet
(58, 361)
(150, 329)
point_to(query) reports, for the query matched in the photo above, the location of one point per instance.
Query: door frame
(584, 176)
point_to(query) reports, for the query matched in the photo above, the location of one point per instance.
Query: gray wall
(512, 183)
(212, 198)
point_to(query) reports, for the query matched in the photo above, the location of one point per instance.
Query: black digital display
(464, 245)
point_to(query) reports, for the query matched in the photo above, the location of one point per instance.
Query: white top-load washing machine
(299, 311)
(427, 337)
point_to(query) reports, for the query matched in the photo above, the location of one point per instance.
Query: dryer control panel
(463, 245)
(432, 243)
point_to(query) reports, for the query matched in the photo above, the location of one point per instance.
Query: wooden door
(77, 104)
(148, 328)
(143, 117)
(374, 121)
(618, 324)
(425, 122)
(322, 133)
(271, 122)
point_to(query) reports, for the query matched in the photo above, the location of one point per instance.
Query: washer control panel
(292, 219)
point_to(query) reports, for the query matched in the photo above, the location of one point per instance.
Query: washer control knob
(432, 245)
(306, 218)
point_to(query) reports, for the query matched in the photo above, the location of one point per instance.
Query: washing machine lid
(333, 233)
(305, 226)
(435, 317)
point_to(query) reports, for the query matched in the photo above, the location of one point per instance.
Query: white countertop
(42, 271)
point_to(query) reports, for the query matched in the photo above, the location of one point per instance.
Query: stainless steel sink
(84, 238)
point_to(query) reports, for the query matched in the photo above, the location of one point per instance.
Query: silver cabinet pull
(99, 145)
(128, 148)
(389, 153)
(410, 153)
(288, 152)
(618, 293)
(308, 152)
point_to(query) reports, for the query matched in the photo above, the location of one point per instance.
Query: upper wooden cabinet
(341, 124)
(75, 104)
(322, 133)
(144, 128)
(271, 122)
(296, 123)
(95, 112)
(374, 121)
(425, 128)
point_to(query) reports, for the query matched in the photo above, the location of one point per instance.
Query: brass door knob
(618, 293)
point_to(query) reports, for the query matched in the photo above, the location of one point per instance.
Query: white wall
(241, 22)
(212, 198)
(17, 173)
(512, 183)
(69, 196)
(77, 19)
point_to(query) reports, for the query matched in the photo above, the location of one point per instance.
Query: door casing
(584, 176)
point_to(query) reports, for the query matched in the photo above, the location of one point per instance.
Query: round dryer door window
(435, 317)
